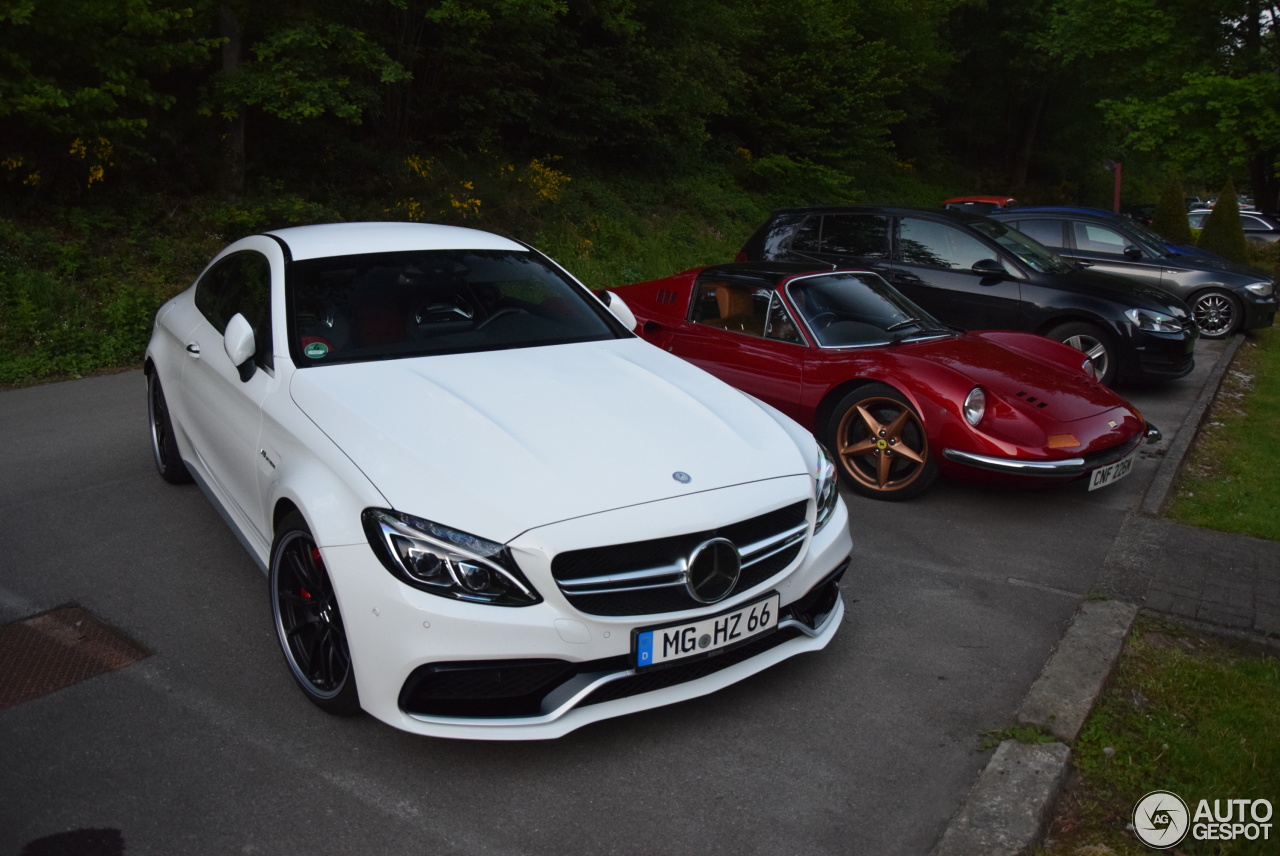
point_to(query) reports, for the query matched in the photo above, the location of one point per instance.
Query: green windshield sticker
(316, 350)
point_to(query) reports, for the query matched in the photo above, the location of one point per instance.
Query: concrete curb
(1008, 808)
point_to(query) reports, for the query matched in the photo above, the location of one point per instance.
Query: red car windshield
(859, 309)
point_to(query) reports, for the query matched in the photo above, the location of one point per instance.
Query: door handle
(193, 349)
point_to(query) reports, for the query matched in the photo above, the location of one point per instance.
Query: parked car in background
(980, 204)
(975, 273)
(1130, 230)
(1258, 227)
(486, 509)
(1224, 297)
(897, 396)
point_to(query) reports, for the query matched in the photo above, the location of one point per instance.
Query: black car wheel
(1092, 341)
(308, 622)
(880, 444)
(164, 446)
(1216, 313)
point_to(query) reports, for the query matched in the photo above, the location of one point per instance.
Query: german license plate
(655, 645)
(1104, 476)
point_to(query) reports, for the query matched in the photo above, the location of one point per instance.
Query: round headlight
(975, 405)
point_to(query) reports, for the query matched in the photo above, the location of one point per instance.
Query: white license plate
(664, 644)
(1104, 476)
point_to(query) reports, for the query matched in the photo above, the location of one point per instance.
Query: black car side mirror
(989, 268)
(1132, 253)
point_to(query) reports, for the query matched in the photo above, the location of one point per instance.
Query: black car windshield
(1155, 244)
(389, 305)
(1031, 252)
(850, 309)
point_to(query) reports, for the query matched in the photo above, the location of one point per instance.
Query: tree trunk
(231, 177)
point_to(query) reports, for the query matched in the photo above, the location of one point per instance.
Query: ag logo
(1160, 819)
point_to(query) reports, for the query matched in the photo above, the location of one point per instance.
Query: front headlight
(824, 476)
(444, 561)
(975, 405)
(1155, 322)
(1262, 289)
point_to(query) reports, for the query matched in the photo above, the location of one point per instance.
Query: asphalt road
(954, 602)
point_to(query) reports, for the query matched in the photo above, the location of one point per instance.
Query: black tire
(164, 445)
(1217, 313)
(1092, 340)
(880, 444)
(308, 622)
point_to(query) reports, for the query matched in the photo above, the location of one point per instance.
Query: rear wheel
(308, 622)
(880, 444)
(1217, 314)
(1092, 341)
(164, 446)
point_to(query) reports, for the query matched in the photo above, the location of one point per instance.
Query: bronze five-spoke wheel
(880, 444)
(308, 622)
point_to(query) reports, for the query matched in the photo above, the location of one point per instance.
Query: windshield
(1032, 253)
(1154, 240)
(390, 305)
(849, 309)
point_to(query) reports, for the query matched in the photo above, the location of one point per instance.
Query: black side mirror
(1132, 253)
(987, 268)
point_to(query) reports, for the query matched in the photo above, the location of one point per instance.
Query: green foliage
(1170, 218)
(1223, 232)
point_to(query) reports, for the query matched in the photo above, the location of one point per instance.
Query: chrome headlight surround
(1262, 289)
(825, 493)
(1152, 321)
(975, 406)
(444, 561)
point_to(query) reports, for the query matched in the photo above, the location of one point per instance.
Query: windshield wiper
(908, 323)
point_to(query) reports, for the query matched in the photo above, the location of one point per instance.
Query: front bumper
(1259, 312)
(1065, 469)
(440, 667)
(1159, 356)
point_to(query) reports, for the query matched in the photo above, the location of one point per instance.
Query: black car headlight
(1262, 289)
(444, 561)
(1152, 321)
(825, 493)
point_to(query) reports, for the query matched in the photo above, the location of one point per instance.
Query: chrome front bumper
(1014, 466)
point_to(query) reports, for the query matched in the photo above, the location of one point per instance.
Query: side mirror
(238, 340)
(989, 268)
(619, 309)
(1132, 253)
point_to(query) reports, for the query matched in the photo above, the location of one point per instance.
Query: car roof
(997, 200)
(889, 210)
(771, 274)
(1059, 209)
(348, 239)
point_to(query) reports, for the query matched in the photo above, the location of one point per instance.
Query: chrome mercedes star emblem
(683, 478)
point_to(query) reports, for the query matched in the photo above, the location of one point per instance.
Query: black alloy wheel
(164, 446)
(1216, 313)
(308, 621)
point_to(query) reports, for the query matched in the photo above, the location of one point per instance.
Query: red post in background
(1116, 204)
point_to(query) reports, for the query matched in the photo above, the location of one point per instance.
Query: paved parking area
(954, 602)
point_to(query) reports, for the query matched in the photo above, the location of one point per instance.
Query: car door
(739, 330)
(1102, 248)
(224, 411)
(933, 265)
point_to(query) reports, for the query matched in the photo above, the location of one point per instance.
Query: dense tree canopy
(1003, 95)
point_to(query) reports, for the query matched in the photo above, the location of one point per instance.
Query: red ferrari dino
(897, 396)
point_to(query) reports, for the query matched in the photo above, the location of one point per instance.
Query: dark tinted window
(389, 305)
(808, 237)
(240, 283)
(1047, 232)
(928, 242)
(862, 235)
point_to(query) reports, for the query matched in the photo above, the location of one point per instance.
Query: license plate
(1104, 476)
(678, 641)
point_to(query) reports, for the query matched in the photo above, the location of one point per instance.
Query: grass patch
(1228, 482)
(1186, 713)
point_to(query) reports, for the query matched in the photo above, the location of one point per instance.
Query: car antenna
(813, 259)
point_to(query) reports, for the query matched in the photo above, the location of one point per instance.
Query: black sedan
(1224, 297)
(974, 273)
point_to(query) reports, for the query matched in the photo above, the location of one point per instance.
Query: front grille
(647, 577)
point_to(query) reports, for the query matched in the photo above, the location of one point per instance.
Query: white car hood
(496, 443)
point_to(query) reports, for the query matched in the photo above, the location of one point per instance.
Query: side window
(737, 306)
(780, 325)
(862, 235)
(1047, 232)
(240, 283)
(928, 242)
(1092, 238)
(1252, 224)
(808, 237)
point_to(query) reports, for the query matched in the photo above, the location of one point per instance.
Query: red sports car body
(895, 395)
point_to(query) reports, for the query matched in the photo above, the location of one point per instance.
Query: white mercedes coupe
(485, 508)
